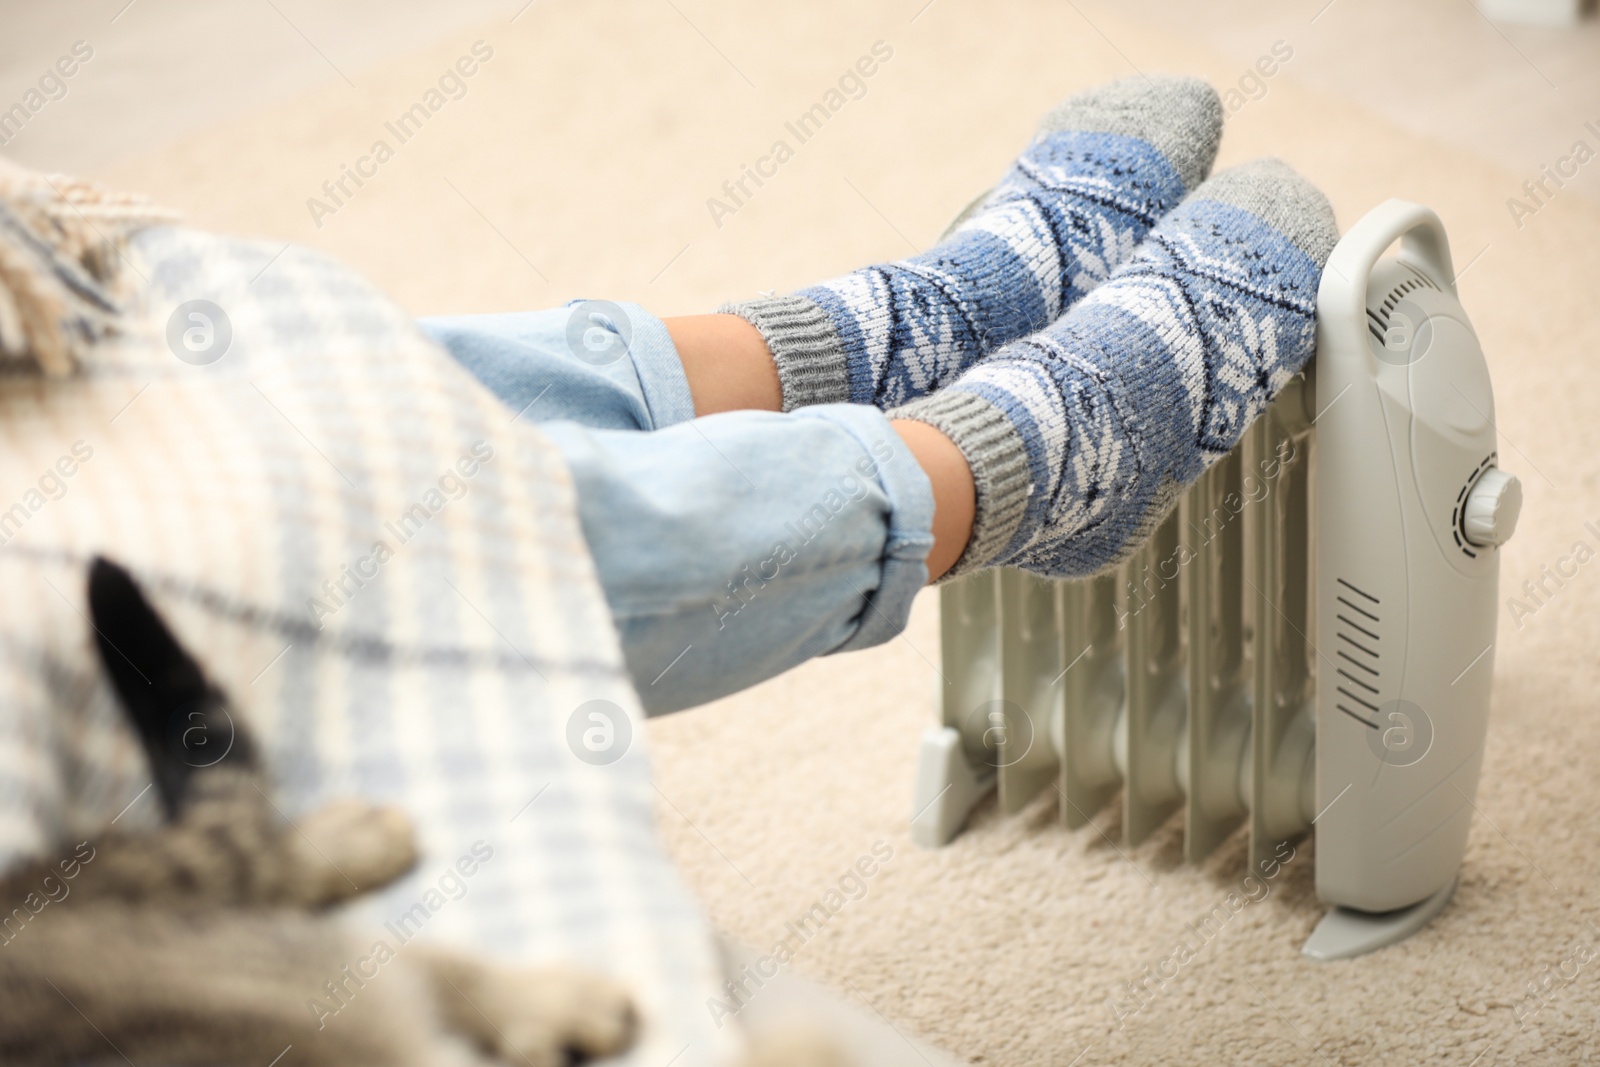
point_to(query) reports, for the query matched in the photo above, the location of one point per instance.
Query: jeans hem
(910, 536)
(660, 371)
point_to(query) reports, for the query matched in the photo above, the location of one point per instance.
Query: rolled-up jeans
(730, 547)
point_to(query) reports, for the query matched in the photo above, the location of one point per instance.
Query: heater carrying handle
(1423, 245)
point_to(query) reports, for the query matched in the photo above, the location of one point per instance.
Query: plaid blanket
(383, 569)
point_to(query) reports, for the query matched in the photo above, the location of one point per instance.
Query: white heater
(1306, 643)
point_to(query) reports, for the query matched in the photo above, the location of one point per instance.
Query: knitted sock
(1104, 166)
(1081, 436)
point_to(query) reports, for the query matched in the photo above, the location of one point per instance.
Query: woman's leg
(729, 368)
(613, 365)
(736, 546)
(753, 540)
(616, 367)
(606, 365)
(1102, 170)
(726, 364)
(1104, 166)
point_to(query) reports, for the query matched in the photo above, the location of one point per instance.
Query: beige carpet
(579, 163)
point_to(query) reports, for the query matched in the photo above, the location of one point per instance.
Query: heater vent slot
(1378, 318)
(1359, 642)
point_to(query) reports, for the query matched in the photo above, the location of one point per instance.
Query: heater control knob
(1490, 513)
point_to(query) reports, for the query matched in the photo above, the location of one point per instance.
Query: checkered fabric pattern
(250, 496)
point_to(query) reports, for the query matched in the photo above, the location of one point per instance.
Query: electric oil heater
(1305, 645)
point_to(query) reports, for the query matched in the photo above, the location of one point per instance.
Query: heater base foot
(1344, 933)
(948, 788)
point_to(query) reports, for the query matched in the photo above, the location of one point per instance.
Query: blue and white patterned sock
(1082, 436)
(1104, 166)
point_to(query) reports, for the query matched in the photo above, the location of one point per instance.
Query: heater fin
(1219, 679)
(1093, 684)
(1154, 714)
(1283, 731)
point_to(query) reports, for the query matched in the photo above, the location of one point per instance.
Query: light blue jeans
(731, 547)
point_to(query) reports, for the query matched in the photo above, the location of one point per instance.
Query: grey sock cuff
(999, 462)
(804, 345)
